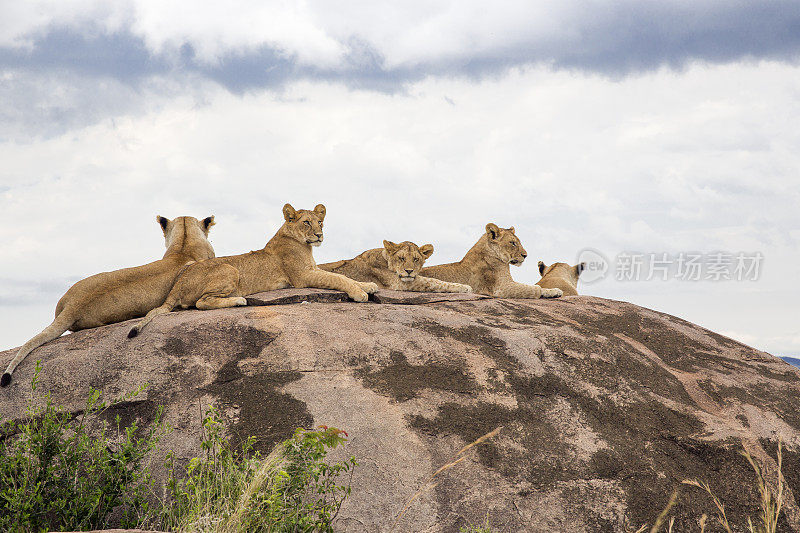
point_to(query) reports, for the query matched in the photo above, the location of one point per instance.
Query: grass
(62, 470)
(433, 480)
(481, 528)
(72, 471)
(771, 500)
(290, 490)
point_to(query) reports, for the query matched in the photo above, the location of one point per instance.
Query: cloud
(67, 65)
(245, 45)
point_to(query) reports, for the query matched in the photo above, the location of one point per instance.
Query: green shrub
(68, 471)
(291, 490)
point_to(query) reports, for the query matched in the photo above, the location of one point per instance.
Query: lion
(286, 261)
(120, 295)
(560, 276)
(485, 267)
(396, 267)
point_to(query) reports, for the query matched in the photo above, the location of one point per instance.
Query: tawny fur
(560, 276)
(396, 267)
(286, 261)
(120, 295)
(485, 267)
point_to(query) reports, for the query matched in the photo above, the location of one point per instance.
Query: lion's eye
(308, 223)
(513, 244)
(416, 259)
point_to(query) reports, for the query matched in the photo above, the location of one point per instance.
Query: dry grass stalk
(721, 517)
(771, 501)
(432, 481)
(663, 516)
(262, 477)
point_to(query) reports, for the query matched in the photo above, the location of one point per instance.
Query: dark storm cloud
(611, 39)
(639, 36)
(119, 55)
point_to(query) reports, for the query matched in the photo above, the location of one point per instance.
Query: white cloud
(22, 22)
(216, 29)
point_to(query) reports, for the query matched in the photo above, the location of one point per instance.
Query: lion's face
(406, 259)
(304, 225)
(505, 245)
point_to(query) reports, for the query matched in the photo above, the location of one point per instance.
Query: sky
(617, 131)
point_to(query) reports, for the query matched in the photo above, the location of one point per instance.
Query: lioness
(128, 293)
(485, 267)
(286, 261)
(560, 276)
(396, 267)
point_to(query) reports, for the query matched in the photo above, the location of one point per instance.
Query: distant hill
(792, 361)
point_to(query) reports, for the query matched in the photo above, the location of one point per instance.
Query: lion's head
(562, 270)
(184, 228)
(406, 259)
(304, 225)
(504, 244)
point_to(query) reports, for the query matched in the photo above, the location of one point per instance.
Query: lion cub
(286, 261)
(396, 267)
(485, 267)
(560, 276)
(128, 293)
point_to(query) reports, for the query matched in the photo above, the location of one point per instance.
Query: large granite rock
(604, 406)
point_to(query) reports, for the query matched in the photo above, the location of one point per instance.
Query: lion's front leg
(328, 280)
(424, 284)
(513, 289)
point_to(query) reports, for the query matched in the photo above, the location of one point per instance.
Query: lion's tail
(169, 304)
(62, 323)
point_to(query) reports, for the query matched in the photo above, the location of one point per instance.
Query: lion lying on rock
(560, 276)
(120, 295)
(485, 267)
(286, 261)
(396, 267)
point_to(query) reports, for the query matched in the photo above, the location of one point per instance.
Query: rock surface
(605, 407)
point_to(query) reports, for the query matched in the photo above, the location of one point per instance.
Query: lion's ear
(389, 246)
(320, 211)
(289, 213)
(580, 267)
(163, 222)
(492, 230)
(426, 250)
(542, 266)
(511, 229)
(207, 223)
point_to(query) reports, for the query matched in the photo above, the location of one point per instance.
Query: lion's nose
(319, 235)
(524, 255)
(409, 270)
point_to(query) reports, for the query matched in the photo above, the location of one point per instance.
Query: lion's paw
(369, 287)
(552, 293)
(464, 288)
(241, 300)
(359, 296)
